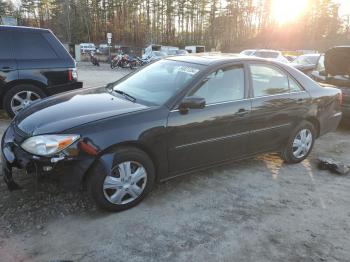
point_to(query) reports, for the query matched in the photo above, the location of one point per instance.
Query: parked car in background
(149, 49)
(306, 63)
(174, 116)
(248, 52)
(156, 55)
(181, 52)
(169, 50)
(33, 65)
(173, 52)
(333, 68)
(270, 54)
(87, 48)
(194, 49)
(290, 58)
(103, 49)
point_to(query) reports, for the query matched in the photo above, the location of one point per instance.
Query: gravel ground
(93, 76)
(254, 210)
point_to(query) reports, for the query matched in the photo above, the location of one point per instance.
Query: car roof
(213, 59)
(267, 50)
(22, 28)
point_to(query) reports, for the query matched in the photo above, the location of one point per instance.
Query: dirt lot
(255, 210)
(99, 75)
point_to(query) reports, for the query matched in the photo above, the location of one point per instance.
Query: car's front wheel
(123, 183)
(20, 97)
(300, 143)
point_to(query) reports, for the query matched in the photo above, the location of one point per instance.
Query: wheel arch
(316, 123)
(111, 149)
(14, 83)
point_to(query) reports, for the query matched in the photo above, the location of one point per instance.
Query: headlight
(47, 145)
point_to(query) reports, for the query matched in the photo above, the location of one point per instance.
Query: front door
(219, 131)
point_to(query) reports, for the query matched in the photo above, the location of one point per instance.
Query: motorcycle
(94, 59)
(123, 61)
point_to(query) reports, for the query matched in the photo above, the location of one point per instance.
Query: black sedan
(172, 117)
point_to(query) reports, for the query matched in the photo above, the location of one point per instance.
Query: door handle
(242, 112)
(301, 101)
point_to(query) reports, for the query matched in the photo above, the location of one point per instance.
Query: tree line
(228, 25)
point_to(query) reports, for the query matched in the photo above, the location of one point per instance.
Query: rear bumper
(64, 88)
(331, 123)
(346, 110)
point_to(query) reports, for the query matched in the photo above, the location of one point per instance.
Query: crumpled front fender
(104, 164)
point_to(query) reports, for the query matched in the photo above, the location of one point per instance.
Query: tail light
(72, 74)
(340, 98)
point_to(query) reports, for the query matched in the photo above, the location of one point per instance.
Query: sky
(344, 7)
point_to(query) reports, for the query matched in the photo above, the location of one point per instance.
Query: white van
(87, 47)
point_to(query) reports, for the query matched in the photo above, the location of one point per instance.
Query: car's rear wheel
(300, 143)
(20, 97)
(126, 183)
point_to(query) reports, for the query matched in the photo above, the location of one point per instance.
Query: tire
(20, 90)
(290, 152)
(97, 180)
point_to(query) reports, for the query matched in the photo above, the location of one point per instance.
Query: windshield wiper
(126, 95)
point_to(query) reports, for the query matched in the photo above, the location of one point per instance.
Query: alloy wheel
(302, 143)
(126, 183)
(22, 100)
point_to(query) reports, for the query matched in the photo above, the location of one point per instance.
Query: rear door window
(268, 80)
(5, 45)
(32, 45)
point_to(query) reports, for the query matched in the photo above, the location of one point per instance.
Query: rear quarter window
(32, 45)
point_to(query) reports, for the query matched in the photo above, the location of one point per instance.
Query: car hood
(72, 109)
(337, 61)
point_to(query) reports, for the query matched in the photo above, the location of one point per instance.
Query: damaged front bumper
(69, 170)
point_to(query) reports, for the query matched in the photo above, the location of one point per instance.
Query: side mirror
(192, 102)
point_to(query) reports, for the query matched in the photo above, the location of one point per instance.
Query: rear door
(38, 59)
(8, 65)
(217, 132)
(278, 104)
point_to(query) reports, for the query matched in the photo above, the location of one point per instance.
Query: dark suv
(33, 64)
(333, 68)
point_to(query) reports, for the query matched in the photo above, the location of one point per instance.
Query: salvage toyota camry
(174, 116)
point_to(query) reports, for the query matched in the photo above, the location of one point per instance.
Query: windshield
(266, 54)
(306, 60)
(158, 82)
